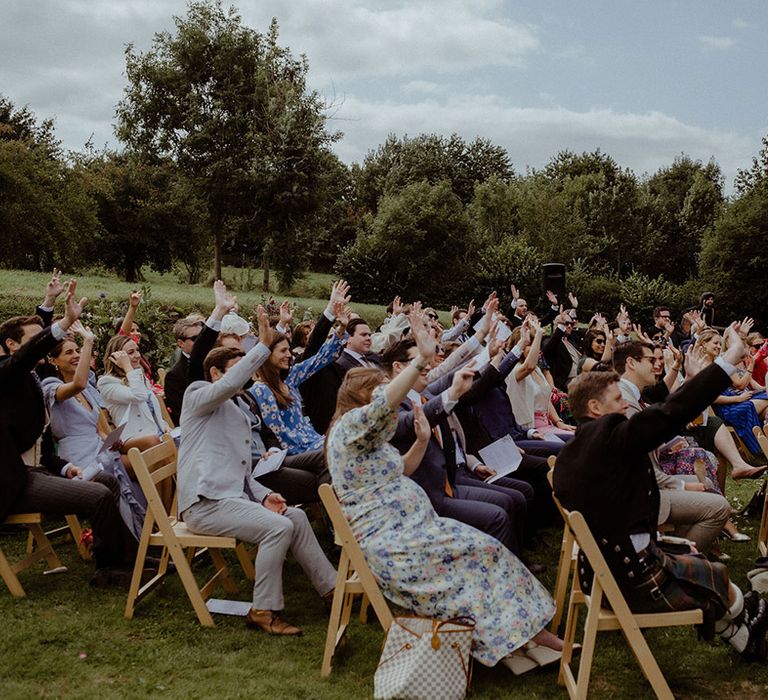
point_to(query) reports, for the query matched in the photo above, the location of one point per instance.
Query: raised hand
(54, 288)
(515, 292)
(135, 299)
(694, 362)
(266, 332)
(494, 344)
(397, 306)
(225, 302)
(490, 313)
(470, 309)
(746, 326)
(462, 381)
(552, 298)
(425, 342)
(339, 293)
(121, 359)
(490, 298)
(534, 327)
(574, 301)
(420, 423)
(638, 329)
(83, 331)
(736, 348)
(73, 309)
(286, 314)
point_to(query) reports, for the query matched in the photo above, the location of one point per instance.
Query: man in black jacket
(605, 473)
(32, 477)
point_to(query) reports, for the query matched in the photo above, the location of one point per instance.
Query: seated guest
(530, 392)
(740, 408)
(357, 351)
(74, 407)
(597, 347)
(217, 497)
(127, 326)
(276, 391)
(196, 339)
(433, 566)
(34, 479)
(300, 337)
(697, 515)
(128, 395)
(606, 473)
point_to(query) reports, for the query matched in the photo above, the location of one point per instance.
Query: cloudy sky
(643, 81)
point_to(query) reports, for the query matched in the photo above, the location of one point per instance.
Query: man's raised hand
(266, 332)
(73, 309)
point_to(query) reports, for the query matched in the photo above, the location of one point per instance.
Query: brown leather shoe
(271, 622)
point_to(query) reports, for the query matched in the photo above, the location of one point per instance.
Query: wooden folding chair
(567, 561)
(154, 468)
(762, 536)
(43, 550)
(353, 578)
(72, 528)
(619, 617)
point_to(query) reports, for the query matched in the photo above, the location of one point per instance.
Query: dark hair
(589, 337)
(183, 325)
(223, 336)
(219, 358)
(397, 352)
(623, 351)
(353, 325)
(271, 376)
(455, 315)
(660, 310)
(13, 329)
(301, 334)
(588, 386)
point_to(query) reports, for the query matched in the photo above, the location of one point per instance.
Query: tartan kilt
(679, 582)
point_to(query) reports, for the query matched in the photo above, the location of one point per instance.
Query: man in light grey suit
(216, 495)
(683, 500)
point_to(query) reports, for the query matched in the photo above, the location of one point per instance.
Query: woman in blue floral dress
(279, 399)
(436, 567)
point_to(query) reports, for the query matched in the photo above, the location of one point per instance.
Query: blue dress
(436, 567)
(742, 417)
(290, 425)
(77, 439)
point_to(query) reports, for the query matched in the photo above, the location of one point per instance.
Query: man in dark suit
(357, 352)
(606, 473)
(561, 351)
(32, 477)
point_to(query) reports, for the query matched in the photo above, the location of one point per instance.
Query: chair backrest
(155, 469)
(161, 377)
(341, 527)
(551, 477)
(762, 440)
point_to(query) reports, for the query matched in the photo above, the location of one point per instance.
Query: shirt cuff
(727, 367)
(280, 328)
(681, 484)
(561, 327)
(47, 309)
(530, 433)
(213, 324)
(448, 403)
(329, 315)
(65, 469)
(57, 331)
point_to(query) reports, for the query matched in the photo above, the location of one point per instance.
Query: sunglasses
(191, 337)
(432, 316)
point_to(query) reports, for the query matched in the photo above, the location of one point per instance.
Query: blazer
(605, 471)
(22, 417)
(346, 362)
(187, 370)
(558, 358)
(215, 450)
(129, 404)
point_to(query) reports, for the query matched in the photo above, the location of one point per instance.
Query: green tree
(231, 108)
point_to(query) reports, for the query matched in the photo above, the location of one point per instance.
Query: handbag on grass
(425, 659)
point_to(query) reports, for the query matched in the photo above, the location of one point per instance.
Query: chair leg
(564, 569)
(646, 659)
(138, 569)
(76, 531)
(364, 603)
(221, 566)
(246, 561)
(335, 618)
(10, 578)
(190, 585)
(588, 646)
(44, 546)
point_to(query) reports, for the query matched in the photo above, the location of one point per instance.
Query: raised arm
(133, 303)
(80, 380)
(523, 369)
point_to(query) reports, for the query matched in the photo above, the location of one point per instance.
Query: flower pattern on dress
(290, 425)
(433, 566)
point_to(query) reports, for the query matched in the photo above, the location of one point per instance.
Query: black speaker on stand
(554, 280)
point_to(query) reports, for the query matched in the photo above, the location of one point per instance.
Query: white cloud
(642, 142)
(721, 43)
(739, 23)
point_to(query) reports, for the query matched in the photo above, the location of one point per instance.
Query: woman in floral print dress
(436, 567)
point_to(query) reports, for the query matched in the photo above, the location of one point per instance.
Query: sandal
(519, 662)
(543, 656)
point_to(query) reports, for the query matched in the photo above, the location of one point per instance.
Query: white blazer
(129, 404)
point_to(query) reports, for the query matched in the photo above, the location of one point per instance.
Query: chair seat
(608, 620)
(187, 538)
(23, 518)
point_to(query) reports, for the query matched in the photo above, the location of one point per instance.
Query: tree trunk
(217, 253)
(265, 265)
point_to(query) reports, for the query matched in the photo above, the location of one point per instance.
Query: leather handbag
(425, 659)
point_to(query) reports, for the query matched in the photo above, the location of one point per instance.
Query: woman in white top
(529, 391)
(128, 395)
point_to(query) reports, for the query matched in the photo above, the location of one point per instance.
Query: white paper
(112, 438)
(502, 456)
(239, 608)
(268, 464)
(176, 433)
(553, 437)
(502, 329)
(90, 472)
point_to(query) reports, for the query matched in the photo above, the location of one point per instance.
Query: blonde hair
(705, 337)
(116, 343)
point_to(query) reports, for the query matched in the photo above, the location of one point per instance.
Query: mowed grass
(66, 640)
(309, 293)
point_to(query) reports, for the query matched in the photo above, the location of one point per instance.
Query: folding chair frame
(762, 536)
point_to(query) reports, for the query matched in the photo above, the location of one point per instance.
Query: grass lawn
(163, 652)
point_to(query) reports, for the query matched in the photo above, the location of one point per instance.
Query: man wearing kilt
(606, 473)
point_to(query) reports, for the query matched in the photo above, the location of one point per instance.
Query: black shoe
(755, 617)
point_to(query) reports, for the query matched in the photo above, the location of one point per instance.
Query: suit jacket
(187, 370)
(545, 319)
(22, 417)
(558, 358)
(319, 391)
(606, 473)
(215, 449)
(346, 362)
